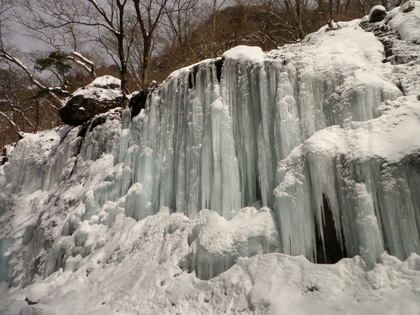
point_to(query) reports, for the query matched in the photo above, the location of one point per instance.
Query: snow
(105, 80)
(217, 243)
(102, 88)
(389, 137)
(406, 20)
(220, 196)
(245, 52)
(271, 283)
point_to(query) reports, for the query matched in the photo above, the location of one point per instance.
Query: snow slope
(221, 194)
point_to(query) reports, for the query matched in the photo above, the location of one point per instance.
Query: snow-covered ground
(219, 196)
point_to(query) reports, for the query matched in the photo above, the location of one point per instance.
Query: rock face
(103, 94)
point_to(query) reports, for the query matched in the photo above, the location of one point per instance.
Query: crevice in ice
(219, 66)
(382, 226)
(192, 76)
(29, 233)
(329, 249)
(64, 132)
(75, 162)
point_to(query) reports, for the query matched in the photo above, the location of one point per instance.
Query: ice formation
(310, 149)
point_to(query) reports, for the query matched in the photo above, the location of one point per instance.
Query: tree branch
(17, 62)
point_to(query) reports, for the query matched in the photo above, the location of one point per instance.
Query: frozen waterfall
(314, 142)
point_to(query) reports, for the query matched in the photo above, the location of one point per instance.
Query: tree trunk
(147, 49)
(123, 60)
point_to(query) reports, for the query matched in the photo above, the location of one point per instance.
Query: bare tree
(293, 16)
(114, 22)
(65, 24)
(125, 29)
(215, 9)
(26, 107)
(27, 103)
(180, 23)
(149, 14)
(7, 51)
(181, 20)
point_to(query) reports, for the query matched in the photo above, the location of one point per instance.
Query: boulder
(377, 14)
(98, 97)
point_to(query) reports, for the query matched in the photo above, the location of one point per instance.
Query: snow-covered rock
(98, 97)
(377, 14)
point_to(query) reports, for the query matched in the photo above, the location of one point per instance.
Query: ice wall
(213, 134)
(308, 130)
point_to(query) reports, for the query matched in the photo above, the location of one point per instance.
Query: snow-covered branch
(84, 62)
(13, 107)
(13, 124)
(5, 55)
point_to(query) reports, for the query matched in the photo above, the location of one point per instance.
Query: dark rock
(3, 160)
(27, 300)
(377, 14)
(138, 101)
(96, 98)
(80, 109)
(407, 7)
(97, 121)
(5, 151)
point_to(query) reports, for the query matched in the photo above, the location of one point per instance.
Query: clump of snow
(245, 53)
(217, 243)
(217, 235)
(389, 137)
(102, 88)
(105, 81)
(348, 47)
(37, 292)
(182, 71)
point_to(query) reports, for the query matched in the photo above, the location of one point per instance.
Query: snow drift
(188, 201)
